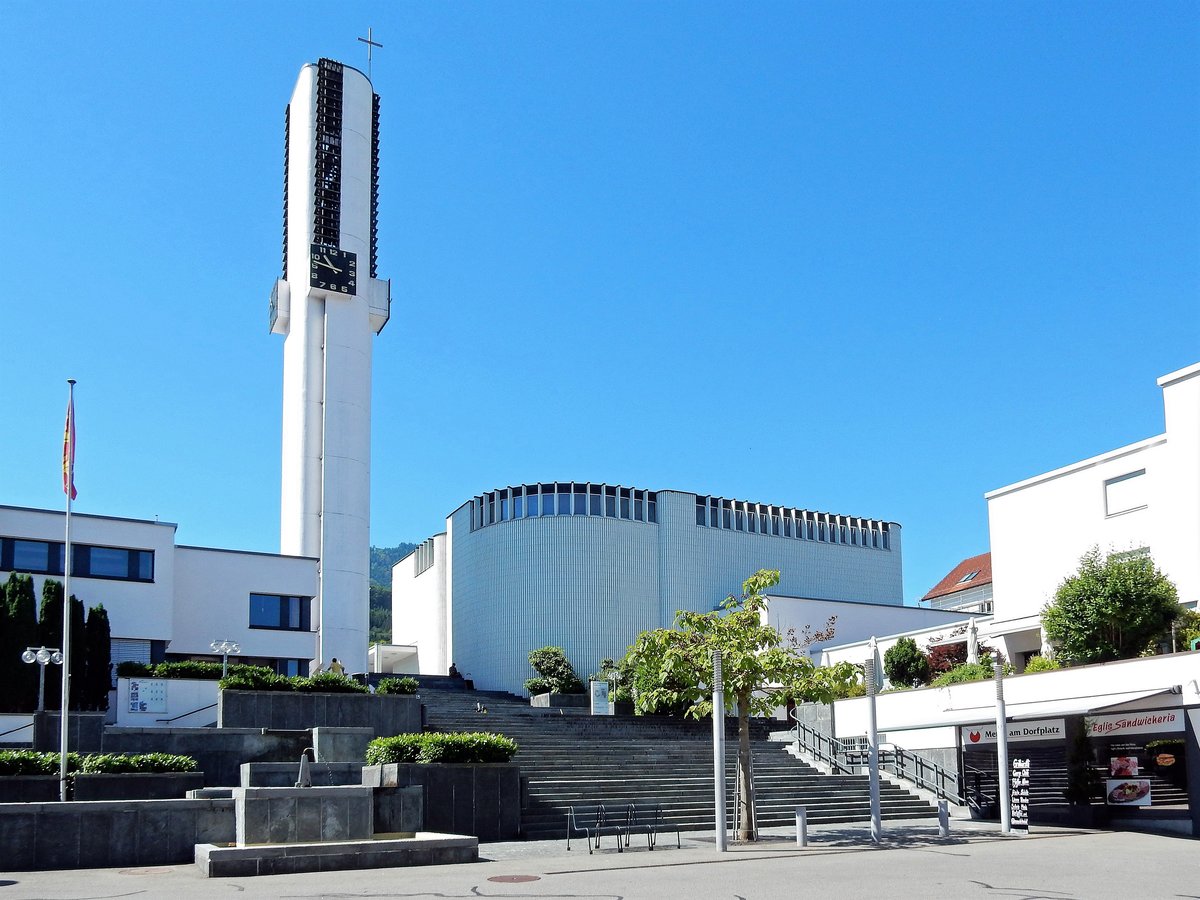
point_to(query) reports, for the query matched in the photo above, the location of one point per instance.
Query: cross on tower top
(371, 45)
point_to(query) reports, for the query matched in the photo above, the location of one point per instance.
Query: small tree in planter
(905, 665)
(556, 675)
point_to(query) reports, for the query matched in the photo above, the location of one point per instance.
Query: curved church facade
(589, 566)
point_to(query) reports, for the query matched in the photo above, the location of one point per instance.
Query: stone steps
(576, 759)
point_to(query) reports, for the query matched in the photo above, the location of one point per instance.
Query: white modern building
(329, 304)
(1141, 498)
(168, 601)
(589, 566)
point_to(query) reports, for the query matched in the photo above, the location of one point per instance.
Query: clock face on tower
(334, 270)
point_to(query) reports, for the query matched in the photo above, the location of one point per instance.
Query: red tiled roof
(953, 582)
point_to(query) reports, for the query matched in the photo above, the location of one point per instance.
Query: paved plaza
(840, 862)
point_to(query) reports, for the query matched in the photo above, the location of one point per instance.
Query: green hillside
(382, 560)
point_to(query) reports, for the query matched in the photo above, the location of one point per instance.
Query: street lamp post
(225, 648)
(43, 656)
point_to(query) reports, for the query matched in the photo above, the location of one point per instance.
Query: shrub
(905, 665)
(967, 672)
(397, 686)
(1041, 664)
(145, 763)
(471, 747)
(132, 669)
(33, 762)
(202, 670)
(329, 683)
(540, 685)
(262, 680)
(552, 665)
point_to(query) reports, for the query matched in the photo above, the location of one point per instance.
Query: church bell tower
(328, 305)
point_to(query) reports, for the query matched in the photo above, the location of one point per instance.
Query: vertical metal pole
(873, 753)
(41, 686)
(718, 718)
(64, 710)
(1004, 799)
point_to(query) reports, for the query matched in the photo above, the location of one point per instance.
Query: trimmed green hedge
(266, 680)
(196, 669)
(32, 762)
(397, 686)
(471, 747)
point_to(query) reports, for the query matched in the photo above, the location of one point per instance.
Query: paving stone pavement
(911, 862)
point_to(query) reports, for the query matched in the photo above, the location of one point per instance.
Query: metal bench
(591, 821)
(648, 818)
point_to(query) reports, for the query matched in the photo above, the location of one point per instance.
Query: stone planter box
(384, 714)
(136, 786)
(28, 788)
(483, 800)
(552, 700)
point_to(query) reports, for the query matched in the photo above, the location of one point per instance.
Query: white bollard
(801, 826)
(944, 818)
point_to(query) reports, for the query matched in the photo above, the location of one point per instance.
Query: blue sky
(870, 258)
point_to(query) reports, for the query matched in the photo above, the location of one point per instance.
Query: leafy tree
(50, 622)
(98, 650)
(671, 668)
(905, 665)
(1113, 607)
(944, 657)
(18, 630)
(1187, 628)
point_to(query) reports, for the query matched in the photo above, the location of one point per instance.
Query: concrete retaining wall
(110, 833)
(136, 785)
(384, 714)
(481, 800)
(220, 752)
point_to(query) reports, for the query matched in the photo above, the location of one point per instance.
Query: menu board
(601, 703)
(1019, 795)
(147, 695)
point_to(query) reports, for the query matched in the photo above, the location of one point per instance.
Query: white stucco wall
(136, 609)
(212, 600)
(419, 610)
(1040, 527)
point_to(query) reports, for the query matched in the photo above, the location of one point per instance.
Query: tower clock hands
(327, 264)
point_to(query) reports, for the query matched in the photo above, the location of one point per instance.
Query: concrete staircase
(567, 756)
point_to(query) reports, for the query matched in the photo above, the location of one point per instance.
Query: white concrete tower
(328, 304)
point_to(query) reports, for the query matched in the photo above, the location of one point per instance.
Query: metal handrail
(186, 714)
(18, 728)
(843, 758)
(823, 747)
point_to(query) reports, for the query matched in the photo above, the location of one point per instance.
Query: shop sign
(1042, 730)
(1151, 722)
(1019, 795)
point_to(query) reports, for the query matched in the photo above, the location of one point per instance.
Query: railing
(981, 790)
(820, 746)
(186, 714)
(15, 730)
(844, 757)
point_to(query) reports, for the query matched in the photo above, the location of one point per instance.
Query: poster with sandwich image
(1127, 791)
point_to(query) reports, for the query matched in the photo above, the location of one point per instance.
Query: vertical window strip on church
(799, 524)
(564, 498)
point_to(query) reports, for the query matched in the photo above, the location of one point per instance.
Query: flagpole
(68, 489)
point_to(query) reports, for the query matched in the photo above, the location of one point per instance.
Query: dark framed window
(88, 561)
(280, 612)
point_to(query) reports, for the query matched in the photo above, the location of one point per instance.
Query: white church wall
(586, 584)
(212, 600)
(419, 609)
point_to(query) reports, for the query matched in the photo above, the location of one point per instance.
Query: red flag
(69, 451)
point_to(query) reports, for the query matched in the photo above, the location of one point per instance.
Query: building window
(88, 561)
(970, 576)
(625, 503)
(652, 508)
(279, 612)
(596, 507)
(610, 502)
(700, 512)
(1125, 493)
(580, 500)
